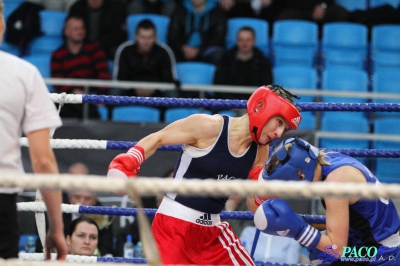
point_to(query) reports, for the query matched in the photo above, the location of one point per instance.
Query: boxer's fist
(276, 217)
(127, 163)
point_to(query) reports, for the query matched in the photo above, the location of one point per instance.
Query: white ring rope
(70, 258)
(72, 143)
(41, 207)
(17, 262)
(154, 186)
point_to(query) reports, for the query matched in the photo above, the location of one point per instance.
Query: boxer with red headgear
(214, 147)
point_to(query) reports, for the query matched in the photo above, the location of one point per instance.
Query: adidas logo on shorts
(205, 219)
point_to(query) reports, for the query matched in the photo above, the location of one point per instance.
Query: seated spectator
(78, 58)
(83, 237)
(197, 31)
(162, 7)
(243, 65)
(105, 21)
(145, 60)
(59, 5)
(89, 198)
(271, 248)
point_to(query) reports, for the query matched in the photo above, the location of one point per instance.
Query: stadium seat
(344, 44)
(385, 47)
(161, 23)
(386, 81)
(45, 45)
(42, 62)
(103, 112)
(387, 169)
(173, 114)
(195, 73)
(344, 80)
(23, 239)
(294, 42)
(353, 5)
(354, 123)
(10, 48)
(260, 27)
(308, 121)
(297, 77)
(136, 114)
(376, 3)
(52, 22)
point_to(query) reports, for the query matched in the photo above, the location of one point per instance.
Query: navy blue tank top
(371, 221)
(214, 162)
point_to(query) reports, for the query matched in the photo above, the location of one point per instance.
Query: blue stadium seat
(173, 114)
(52, 22)
(297, 77)
(23, 239)
(345, 80)
(294, 42)
(195, 73)
(160, 22)
(103, 112)
(308, 121)
(385, 61)
(136, 114)
(353, 5)
(344, 44)
(376, 3)
(354, 123)
(260, 27)
(387, 169)
(386, 81)
(385, 38)
(42, 62)
(45, 45)
(10, 48)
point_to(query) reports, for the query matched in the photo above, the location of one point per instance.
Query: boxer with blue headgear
(293, 159)
(351, 223)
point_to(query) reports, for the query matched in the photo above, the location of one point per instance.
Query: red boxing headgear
(264, 104)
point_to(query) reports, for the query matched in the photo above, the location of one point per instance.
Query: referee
(25, 107)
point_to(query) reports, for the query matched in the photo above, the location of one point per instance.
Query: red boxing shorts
(187, 236)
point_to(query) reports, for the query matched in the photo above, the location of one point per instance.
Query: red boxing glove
(129, 163)
(253, 175)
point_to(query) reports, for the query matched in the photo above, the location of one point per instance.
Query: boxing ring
(153, 186)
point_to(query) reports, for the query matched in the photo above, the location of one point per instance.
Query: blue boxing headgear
(297, 164)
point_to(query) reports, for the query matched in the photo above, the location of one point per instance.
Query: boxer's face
(273, 129)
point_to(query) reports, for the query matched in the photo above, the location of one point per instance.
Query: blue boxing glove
(276, 217)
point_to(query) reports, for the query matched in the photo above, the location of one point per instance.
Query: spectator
(89, 198)
(105, 21)
(162, 7)
(271, 248)
(83, 237)
(197, 31)
(243, 65)
(78, 58)
(144, 60)
(59, 5)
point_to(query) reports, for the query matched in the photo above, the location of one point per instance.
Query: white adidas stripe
(136, 153)
(308, 236)
(234, 242)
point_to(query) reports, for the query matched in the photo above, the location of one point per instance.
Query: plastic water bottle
(30, 245)
(138, 251)
(128, 247)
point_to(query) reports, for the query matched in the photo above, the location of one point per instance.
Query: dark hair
(79, 220)
(145, 24)
(247, 29)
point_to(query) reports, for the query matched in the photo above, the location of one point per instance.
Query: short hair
(72, 16)
(145, 24)
(247, 29)
(81, 219)
(1, 7)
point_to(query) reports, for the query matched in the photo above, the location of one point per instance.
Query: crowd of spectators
(95, 34)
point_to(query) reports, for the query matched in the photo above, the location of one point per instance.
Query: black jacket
(255, 72)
